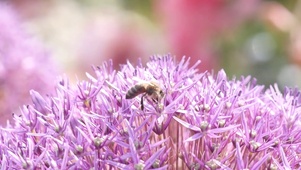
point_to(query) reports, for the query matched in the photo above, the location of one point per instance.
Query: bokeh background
(253, 37)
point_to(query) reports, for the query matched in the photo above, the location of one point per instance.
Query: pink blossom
(204, 121)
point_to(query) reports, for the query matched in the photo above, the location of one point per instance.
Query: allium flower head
(24, 64)
(204, 121)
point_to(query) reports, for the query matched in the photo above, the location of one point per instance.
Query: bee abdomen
(134, 91)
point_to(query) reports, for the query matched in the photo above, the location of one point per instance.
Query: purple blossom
(24, 65)
(204, 121)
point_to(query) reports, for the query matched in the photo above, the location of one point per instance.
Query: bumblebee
(152, 89)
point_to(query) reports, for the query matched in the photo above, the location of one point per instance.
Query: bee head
(156, 97)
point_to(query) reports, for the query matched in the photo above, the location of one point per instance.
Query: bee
(151, 89)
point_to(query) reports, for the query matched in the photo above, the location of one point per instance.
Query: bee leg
(155, 101)
(141, 102)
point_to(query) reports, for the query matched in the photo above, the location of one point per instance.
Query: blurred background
(254, 37)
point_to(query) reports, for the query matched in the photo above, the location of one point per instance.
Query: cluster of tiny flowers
(21, 60)
(204, 121)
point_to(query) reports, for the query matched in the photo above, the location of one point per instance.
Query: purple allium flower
(24, 65)
(204, 121)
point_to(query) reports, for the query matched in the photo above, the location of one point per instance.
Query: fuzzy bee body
(151, 89)
(135, 91)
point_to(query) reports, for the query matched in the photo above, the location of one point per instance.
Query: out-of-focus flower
(24, 64)
(286, 22)
(99, 32)
(192, 26)
(130, 35)
(277, 16)
(31, 8)
(204, 121)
